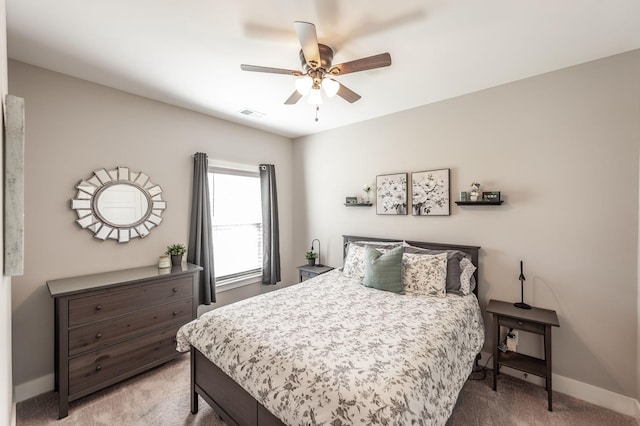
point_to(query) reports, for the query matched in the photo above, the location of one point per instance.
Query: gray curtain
(200, 250)
(270, 227)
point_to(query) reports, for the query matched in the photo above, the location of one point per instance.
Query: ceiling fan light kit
(330, 87)
(303, 85)
(315, 97)
(316, 60)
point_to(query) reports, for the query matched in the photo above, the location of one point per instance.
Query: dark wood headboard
(470, 250)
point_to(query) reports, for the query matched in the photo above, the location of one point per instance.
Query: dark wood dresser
(113, 325)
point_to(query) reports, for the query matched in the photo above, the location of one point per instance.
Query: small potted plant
(367, 189)
(176, 251)
(475, 191)
(311, 257)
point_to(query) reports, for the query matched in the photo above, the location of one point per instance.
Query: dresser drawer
(110, 331)
(115, 362)
(305, 275)
(524, 325)
(107, 303)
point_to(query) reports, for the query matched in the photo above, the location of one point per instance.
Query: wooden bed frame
(236, 406)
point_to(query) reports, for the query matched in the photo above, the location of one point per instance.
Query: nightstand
(534, 320)
(306, 271)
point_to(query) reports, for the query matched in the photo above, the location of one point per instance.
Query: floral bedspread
(330, 351)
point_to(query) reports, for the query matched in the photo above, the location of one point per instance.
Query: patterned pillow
(383, 271)
(465, 276)
(453, 265)
(425, 274)
(354, 262)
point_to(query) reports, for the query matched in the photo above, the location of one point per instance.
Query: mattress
(331, 351)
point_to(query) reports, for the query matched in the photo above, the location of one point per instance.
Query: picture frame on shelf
(391, 194)
(351, 200)
(491, 196)
(431, 193)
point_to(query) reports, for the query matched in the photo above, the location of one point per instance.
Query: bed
(332, 351)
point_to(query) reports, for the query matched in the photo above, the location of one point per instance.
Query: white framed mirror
(118, 204)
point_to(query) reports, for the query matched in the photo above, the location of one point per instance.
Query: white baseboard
(602, 397)
(34, 387)
(584, 391)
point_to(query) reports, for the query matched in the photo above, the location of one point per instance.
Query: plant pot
(176, 260)
(311, 262)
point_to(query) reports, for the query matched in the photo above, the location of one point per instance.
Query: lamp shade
(330, 87)
(315, 97)
(303, 85)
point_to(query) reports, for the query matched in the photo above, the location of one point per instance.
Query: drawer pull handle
(175, 313)
(520, 323)
(99, 335)
(175, 290)
(98, 307)
(98, 367)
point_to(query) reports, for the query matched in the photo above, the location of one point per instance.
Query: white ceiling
(188, 52)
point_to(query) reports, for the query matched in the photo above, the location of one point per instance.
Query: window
(237, 223)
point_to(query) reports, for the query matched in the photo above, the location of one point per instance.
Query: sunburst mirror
(118, 204)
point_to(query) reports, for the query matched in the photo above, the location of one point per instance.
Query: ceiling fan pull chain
(317, 109)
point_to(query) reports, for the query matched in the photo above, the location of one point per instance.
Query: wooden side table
(534, 320)
(306, 271)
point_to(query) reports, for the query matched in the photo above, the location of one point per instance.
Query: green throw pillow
(383, 270)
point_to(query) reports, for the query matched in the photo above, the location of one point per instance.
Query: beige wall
(563, 149)
(74, 127)
(7, 407)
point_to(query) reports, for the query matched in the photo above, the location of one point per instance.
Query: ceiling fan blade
(295, 97)
(328, 12)
(347, 94)
(267, 33)
(309, 41)
(256, 68)
(368, 63)
(369, 27)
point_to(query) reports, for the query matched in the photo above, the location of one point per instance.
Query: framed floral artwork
(430, 193)
(391, 194)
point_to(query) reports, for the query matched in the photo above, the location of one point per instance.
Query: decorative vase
(311, 262)
(473, 195)
(176, 260)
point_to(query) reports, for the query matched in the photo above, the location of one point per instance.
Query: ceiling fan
(318, 71)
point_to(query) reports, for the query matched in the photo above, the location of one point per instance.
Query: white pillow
(466, 272)
(425, 274)
(354, 262)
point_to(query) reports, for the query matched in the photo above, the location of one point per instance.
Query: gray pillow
(453, 265)
(383, 271)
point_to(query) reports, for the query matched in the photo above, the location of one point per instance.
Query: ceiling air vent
(252, 113)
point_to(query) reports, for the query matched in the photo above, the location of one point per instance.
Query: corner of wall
(7, 399)
(638, 307)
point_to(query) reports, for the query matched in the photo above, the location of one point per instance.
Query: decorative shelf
(479, 203)
(358, 204)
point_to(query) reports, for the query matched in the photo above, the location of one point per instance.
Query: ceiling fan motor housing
(326, 58)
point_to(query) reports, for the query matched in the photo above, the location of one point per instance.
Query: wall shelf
(479, 203)
(358, 204)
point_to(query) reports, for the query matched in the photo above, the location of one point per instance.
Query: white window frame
(241, 170)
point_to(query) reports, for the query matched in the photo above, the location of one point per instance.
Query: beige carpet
(161, 398)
